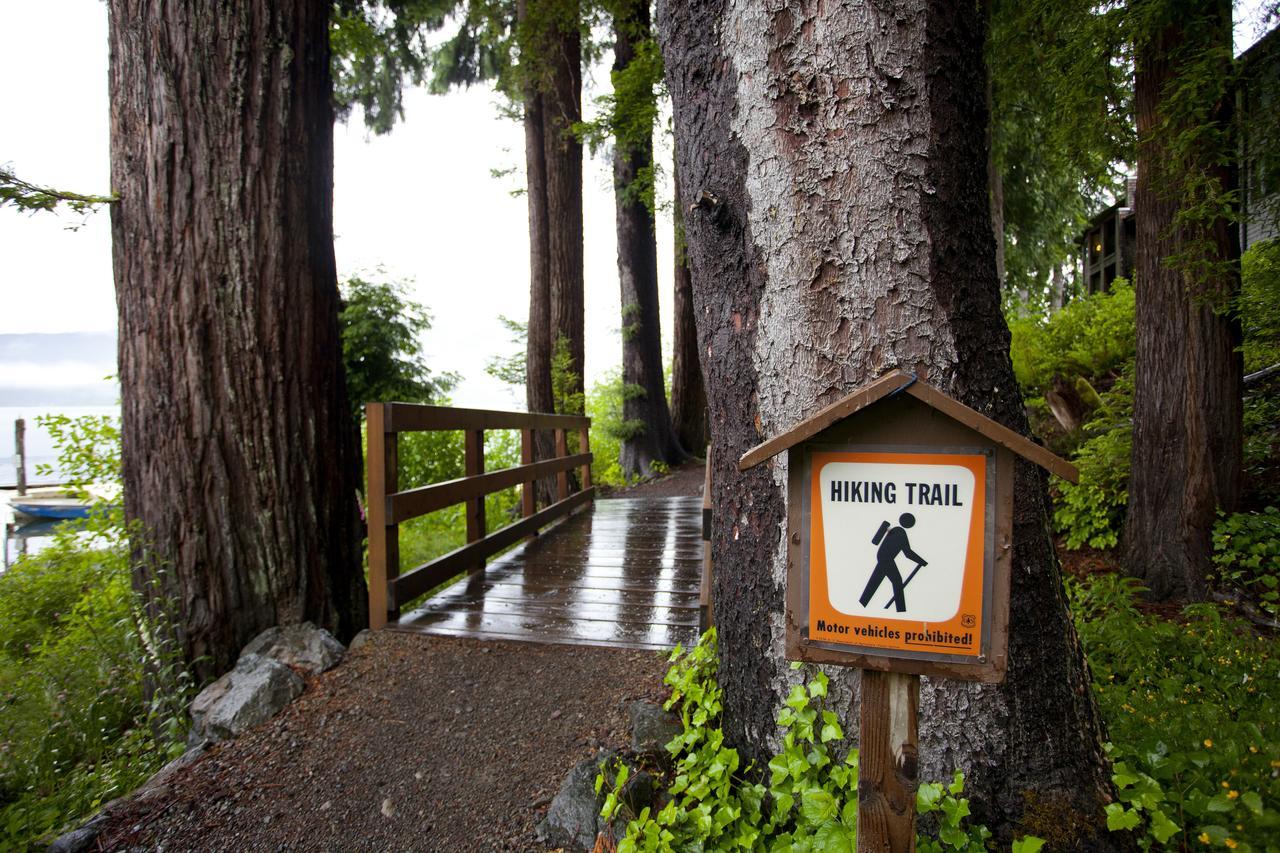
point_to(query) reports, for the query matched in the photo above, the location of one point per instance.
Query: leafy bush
(604, 407)
(1260, 304)
(1092, 337)
(811, 801)
(1190, 708)
(380, 328)
(77, 727)
(1092, 512)
(1246, 556)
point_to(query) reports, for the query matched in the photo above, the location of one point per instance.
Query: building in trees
(834, 168)
(240, 454)
(1260, 141)
(1107, 248)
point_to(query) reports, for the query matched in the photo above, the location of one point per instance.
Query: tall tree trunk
(1187, 402)
(650, 437)
(539, 396)
(562, 109)
(840, 228)
(688, 396)
(240, 456)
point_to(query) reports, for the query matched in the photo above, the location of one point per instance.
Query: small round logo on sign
(968, 620)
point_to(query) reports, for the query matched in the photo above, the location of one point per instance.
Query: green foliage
(1061, 119)
(76, 726)
(510, 368)
(1087, 348)
(628, 115)
(1189, 706)
(1246, 556)
(811, 800)
(1260, 304)
(1092, 337)
(1092, 512)
(566, 382)
(29, 198)
(381, 330)
(608, 428)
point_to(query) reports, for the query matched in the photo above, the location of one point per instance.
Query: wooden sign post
(899, 536)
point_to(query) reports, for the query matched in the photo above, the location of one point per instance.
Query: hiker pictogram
(893, 542)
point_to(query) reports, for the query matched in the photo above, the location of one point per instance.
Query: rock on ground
(573, 821)
(250, 694)
(651, 728)
(304, 646)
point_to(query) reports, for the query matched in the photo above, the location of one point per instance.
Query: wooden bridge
(628, 573)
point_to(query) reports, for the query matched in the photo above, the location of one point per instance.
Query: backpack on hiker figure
(884, 528)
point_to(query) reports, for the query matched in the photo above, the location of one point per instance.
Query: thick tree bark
(562, 109)
(688, 395)
(240, 456)
(552, 82)
(650, 437)
(835, 160)
(539, 396)
(1187, 402)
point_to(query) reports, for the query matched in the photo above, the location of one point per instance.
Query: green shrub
(1092, 512)
(1190, 709)
(608, 430)
(1260, 304)
(1246, 556)
(1091, 337)
(76, 726)
(811, 800)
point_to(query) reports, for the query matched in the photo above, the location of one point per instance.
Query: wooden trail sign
(899, 543)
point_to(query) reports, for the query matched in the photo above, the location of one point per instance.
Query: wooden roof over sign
(898, 381)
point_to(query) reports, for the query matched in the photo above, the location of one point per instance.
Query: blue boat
(53, 508)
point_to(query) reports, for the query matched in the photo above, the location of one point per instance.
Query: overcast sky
(420, 202)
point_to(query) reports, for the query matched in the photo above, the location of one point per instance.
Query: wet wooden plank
(625, 574)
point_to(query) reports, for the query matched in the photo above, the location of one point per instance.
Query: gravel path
(413, 743)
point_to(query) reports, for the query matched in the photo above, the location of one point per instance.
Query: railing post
(528, 504)
(474, 462)
(384, 538)
(584, 446)
(562, 478)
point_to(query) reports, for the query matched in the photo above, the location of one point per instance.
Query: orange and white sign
(897, 543)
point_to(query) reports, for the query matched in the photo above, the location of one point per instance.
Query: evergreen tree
(240, 455)
(835, 163)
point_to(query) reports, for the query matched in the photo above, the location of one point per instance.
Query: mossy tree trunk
(649, 437)
(834, 159)
(1188, 407)
(240, 455)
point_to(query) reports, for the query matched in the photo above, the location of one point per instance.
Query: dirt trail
(412, 743)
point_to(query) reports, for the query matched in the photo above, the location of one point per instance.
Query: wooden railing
(388, 506)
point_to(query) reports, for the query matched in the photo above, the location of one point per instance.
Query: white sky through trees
(420, 202)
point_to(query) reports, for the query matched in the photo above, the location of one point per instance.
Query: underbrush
(1189, 707)
(78, 725)
(809, 801)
